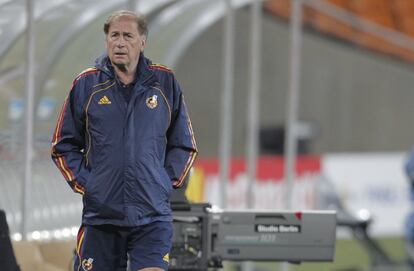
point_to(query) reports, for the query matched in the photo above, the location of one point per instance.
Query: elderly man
(124, 140)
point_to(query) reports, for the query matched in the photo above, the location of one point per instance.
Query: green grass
(350, 255)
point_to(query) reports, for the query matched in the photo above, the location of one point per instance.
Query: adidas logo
(166, 257)
(104, 100)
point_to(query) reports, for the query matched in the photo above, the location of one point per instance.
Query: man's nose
(120, 42)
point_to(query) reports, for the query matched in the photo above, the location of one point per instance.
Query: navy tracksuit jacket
(123, 158)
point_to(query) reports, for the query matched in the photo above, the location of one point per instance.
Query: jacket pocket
(83, 176)
(98, 204)
(93, 207)
(165, 181)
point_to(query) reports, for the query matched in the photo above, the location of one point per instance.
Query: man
(123, 140)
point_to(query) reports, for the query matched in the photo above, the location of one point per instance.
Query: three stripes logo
(166, 257)
(104, 100)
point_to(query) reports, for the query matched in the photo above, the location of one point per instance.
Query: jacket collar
(144, 73)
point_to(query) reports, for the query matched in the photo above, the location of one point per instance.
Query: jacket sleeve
(181, 146)
(68, 142)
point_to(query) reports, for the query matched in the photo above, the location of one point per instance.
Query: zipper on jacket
(124, 156)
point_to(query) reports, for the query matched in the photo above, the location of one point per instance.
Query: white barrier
(375, 182)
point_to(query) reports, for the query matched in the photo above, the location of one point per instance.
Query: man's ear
(143, 43)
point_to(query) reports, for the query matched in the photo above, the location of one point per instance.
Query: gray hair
(138, 18)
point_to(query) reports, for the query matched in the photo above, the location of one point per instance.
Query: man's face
(124, 43)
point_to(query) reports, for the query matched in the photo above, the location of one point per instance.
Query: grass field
(350, 255)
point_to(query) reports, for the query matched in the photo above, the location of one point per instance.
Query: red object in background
(268, 167)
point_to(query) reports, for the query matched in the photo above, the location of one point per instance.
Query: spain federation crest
(152, 101)
(87, 264)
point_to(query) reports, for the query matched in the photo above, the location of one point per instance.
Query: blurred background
(295, 104)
